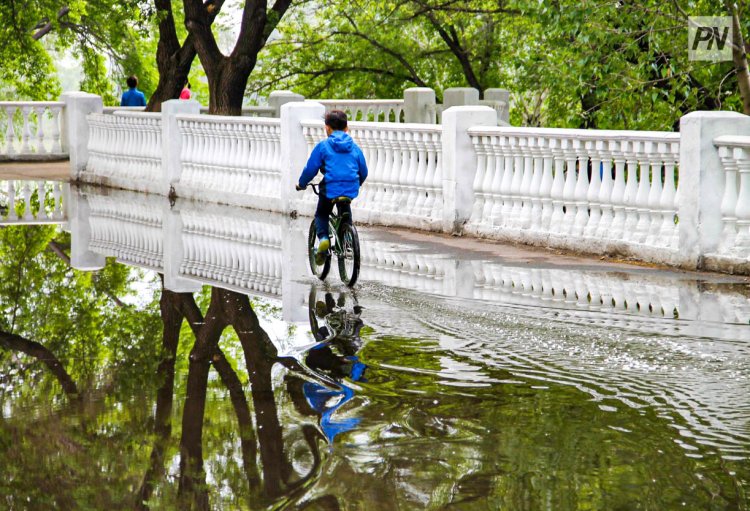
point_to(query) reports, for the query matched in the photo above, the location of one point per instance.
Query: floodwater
(449, 378)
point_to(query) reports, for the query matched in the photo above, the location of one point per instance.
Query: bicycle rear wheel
(349, 256)
(320, 271)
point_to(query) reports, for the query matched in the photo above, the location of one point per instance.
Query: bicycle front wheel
(319, 270)
(349, 255)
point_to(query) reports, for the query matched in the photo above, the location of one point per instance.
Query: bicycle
(344, 245)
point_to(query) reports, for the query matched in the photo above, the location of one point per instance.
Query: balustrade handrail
(233, 119)
(385, 126)
(360, 101)
(732, 141)
(31, 103)
(246, 109)
(137, 115)
(579, 134)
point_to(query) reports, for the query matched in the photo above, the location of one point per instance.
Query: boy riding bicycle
(344, 170)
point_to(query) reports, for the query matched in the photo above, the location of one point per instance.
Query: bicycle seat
(343, 200)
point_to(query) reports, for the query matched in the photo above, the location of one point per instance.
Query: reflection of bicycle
(344, 245)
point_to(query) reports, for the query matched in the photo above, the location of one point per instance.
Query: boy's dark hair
(132, 81)
(336, 119)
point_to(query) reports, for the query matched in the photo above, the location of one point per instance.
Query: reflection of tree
(15, 342)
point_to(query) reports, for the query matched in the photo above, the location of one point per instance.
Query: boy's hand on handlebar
(298, 187)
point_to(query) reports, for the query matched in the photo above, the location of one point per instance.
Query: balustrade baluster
(41, 195)
(595, 186)
(535, 148)
(580, 193)
(558, 185)
(480, 148)
(619, 213)
(26, 134)
(421, 183)
(729, 199)
(545, 188)
(515, 184)
(742, 209)
(40, 148)
(502, 176)
(644, 190)
(631, 193)
(569, 190)
(55, 112)
(10, 133)
(488, 200)
(654, 198)
(668, 202)
(524, 191)
(605, 150)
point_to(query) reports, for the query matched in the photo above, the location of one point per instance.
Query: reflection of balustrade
(31, 129)
(404, 185)
(734, 244)
(612, 190)
(234, 251)
(374, 110)
(125, 147)
(240, 156)
(130, 231)
(31, 203)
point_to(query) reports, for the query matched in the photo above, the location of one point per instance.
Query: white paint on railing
(31, 129)
(125, 148)
(31, 203)
(250, 111)
(404, 183)
(231, 155)
(582, 189)
(375, 110)
(734, 152)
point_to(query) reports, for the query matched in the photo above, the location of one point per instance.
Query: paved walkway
(48, 170)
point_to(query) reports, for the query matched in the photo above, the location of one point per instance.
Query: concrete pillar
(173, 252)
(460, 96)
(171, 141)
(460, 162)
(419, 105)
(701, 183)
(501, 96)
(75, 128)
(79, 211)
(295, 274)
(294, 151)
(281, 97)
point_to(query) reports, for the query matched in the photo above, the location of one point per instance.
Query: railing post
(294, 147)
(460, 162)
(502, 98)
(419, 105)
(75, 128)
(701, 182)
(460, 96)
(171, 140)
(281, 97)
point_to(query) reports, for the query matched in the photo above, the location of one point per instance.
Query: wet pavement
(458, 374)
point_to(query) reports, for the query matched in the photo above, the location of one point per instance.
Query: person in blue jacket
(132, 96)
(344, 170)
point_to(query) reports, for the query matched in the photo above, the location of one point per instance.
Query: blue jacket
(133, 97)
(342, 164)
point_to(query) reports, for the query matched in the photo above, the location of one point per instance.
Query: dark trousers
(323, 212)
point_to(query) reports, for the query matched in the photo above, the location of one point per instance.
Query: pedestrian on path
(132, 96)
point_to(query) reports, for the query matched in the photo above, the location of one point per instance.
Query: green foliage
(618, 65)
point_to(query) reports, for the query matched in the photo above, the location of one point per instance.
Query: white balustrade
(125, 147)
(404, 185)
(734, 152)
(31, 130)
(375, 110)
(589, 190)
(31, 203)
(232, 155)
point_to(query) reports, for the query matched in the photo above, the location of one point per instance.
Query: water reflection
(450, 380)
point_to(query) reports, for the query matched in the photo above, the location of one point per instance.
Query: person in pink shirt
(185, 94)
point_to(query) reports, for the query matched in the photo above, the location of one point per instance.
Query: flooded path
(456, 375)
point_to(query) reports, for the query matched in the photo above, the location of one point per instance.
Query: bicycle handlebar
(314, 186)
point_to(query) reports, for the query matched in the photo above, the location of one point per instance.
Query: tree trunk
(740, 62)
(227, 87)
(34, 349)
(171, 321)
